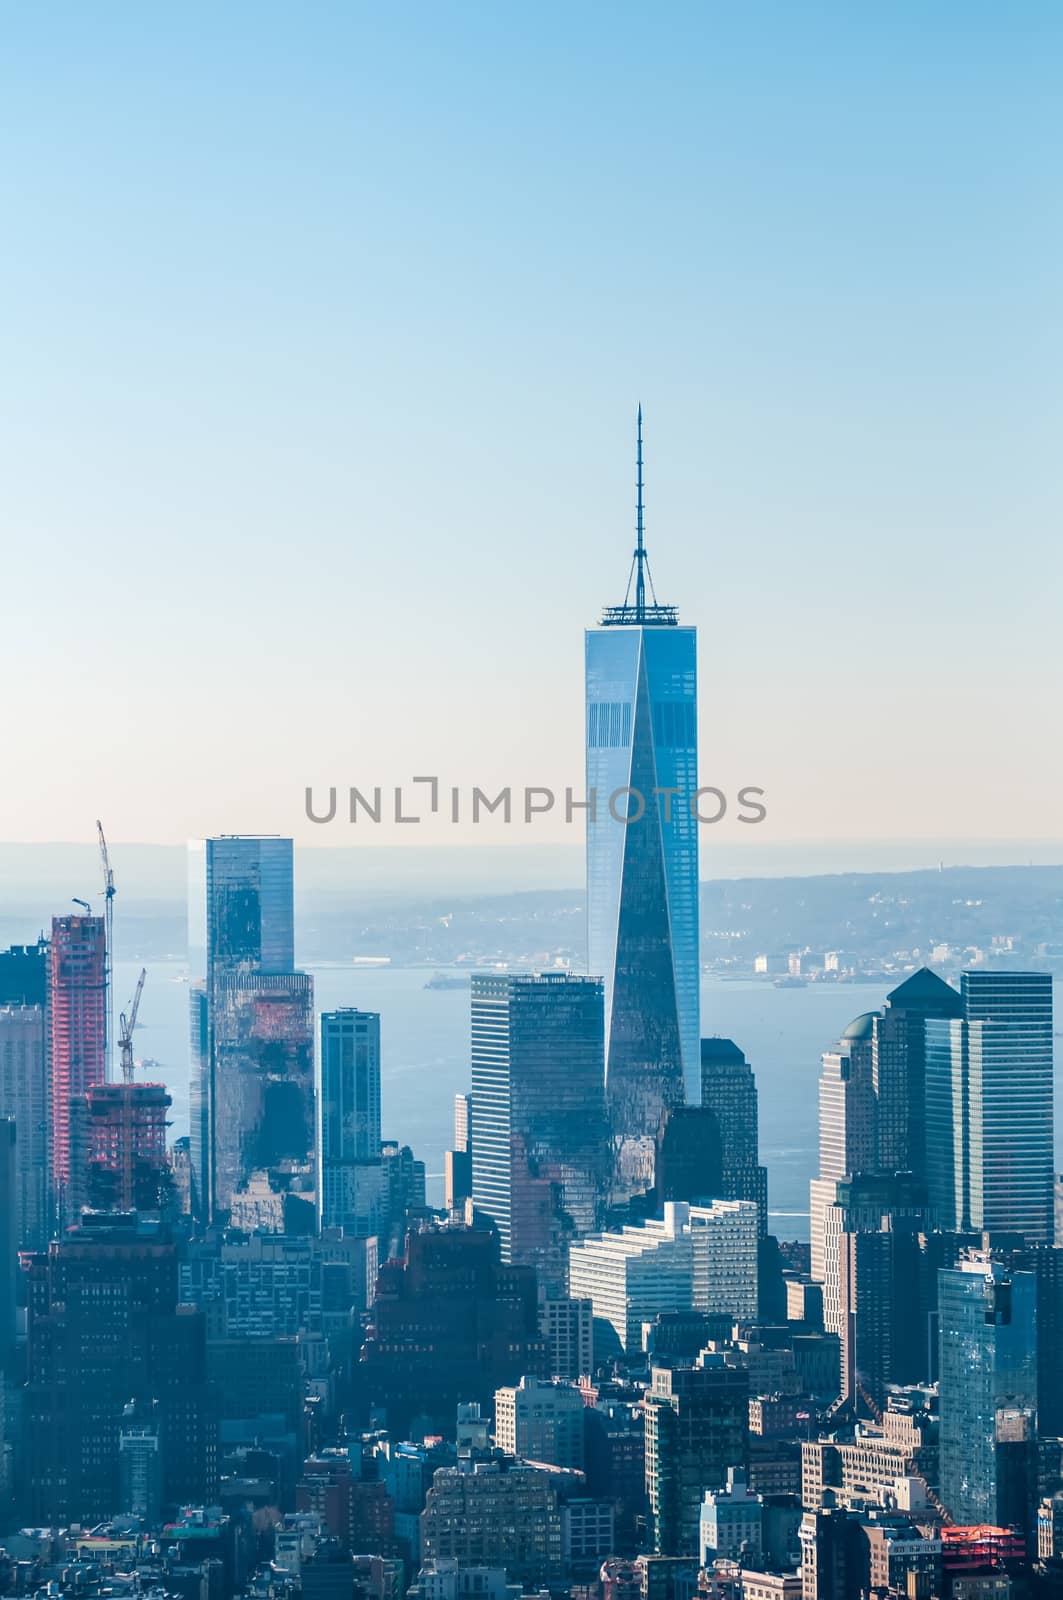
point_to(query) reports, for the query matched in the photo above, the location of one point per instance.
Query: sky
(324, 328)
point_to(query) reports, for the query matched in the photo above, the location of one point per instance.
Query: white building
(732, 1522)
(540, 1421)
(703, 1257)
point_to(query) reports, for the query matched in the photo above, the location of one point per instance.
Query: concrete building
(541, 1421)
(732, 1522)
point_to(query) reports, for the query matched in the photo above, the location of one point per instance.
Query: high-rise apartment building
(253, 1125)
(539, 1147)
(989, 1099)
(118, 1147)
(729, 1091)
(642, 857)
(988, 1393)
(77, 969)
(351, 1177)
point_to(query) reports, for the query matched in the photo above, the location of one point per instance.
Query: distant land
(524, 905)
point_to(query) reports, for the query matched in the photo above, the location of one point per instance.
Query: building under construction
(120, 1147)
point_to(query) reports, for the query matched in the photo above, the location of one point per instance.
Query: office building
(642, 857)
(988, 1393)
(689, 1158)
(732, 1522)
(450, 1323)
(567, 1327)
(541, 1421)
(695, 1430)
(252, 1114)
(989, 1096)
(539, 1149)
(77, 967)
(8, 1243)
(351, 1176)
(899, 1068)
(847, 1141)
(106, 1330)
(463, 1123)
(24, 1098)
(729, 1091)
(700, 1257)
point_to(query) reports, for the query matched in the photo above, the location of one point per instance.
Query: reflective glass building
(642, 850)
(988, 1392)
(989, 1107)
(540, 1166)
(252, 1026)
(351, 1177)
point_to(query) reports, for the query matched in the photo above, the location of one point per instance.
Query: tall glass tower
(989, 1107)
(642, 853)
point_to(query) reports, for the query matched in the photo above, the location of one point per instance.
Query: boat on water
(790, 983)
(449, 980)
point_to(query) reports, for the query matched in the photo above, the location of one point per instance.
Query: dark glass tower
(642, 857)
(729, 1091)
(539, 1144)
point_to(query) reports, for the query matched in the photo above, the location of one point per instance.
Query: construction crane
(125, 1029)
(108, 949)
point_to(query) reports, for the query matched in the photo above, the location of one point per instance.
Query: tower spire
(637, 610)
(640, 549)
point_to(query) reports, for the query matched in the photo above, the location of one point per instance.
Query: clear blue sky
(324, 327)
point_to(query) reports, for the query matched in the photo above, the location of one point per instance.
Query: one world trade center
(642, 856)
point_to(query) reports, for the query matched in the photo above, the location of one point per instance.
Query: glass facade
(642, 873)
(539, 1143)
(249, 904)
(989, 1107)
(252, 1099)
(351, 1175)
(988, 1391)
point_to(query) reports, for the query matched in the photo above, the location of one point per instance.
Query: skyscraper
(729, 1091)
(539, 1157)
(696, 1429)
(989, 1093)
(899, 1068)
(351, 1176)
(8, 1242)
(988, 1393)
(642, 855)
(252, 1096)
(24, 1097)
(847, 1144)
(77, 965)
(105, 1329)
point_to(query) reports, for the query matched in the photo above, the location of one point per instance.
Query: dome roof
(862, 1027)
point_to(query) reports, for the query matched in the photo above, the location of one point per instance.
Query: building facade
(539, 1144)
(989, 1098)
(352, 1184)
(729, 1091)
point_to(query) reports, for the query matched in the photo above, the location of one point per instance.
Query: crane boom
(108, 953)
(126, 1026)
